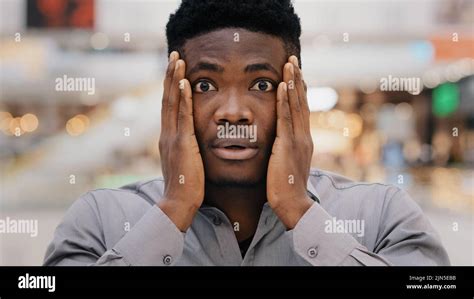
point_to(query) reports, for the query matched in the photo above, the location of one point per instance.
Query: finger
(166, 86)
(302, 96)
(185, 116)
(173, 99)
(296, 116)
(293, 59)
(284, 125)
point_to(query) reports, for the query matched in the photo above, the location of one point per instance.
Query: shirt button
(312, 252)
(216, 220)
(167, 260)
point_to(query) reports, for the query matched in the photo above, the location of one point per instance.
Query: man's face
(234, 74)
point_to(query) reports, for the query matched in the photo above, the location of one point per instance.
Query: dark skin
(250, 82)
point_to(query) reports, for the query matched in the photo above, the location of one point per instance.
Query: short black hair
(197, 17)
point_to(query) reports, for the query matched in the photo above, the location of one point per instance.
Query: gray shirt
(353, 224)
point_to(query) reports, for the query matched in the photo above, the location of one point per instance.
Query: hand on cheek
(181, 161)
(290, 161)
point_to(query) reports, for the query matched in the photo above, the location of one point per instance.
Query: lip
(234, 149)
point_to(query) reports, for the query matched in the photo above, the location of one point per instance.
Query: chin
(235, 177)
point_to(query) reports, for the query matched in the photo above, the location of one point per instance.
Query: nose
(233, 109)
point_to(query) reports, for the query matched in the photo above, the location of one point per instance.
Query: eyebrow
(213, 67)
(206, 66)
(260, 67)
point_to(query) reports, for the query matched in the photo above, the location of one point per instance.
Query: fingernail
(285, 88)
(295, 60)
(174, 55)
(181, 84)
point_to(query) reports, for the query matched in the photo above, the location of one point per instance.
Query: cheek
(269, 130)
(267, 124)
(202, 116)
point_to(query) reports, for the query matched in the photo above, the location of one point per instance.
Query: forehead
(235, 44)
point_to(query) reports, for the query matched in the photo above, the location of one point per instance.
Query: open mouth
(234, 149)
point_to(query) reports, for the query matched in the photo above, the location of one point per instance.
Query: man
(235, 149)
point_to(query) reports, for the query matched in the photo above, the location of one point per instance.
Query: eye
(203, 86)
(263, 85)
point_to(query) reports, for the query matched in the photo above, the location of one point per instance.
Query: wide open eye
(203, 86)
(263, 85)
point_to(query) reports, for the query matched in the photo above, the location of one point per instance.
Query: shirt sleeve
(79, 240)
(405, 237)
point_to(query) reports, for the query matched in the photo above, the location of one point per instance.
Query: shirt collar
(270, 217)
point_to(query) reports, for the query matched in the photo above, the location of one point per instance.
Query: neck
(241, 205)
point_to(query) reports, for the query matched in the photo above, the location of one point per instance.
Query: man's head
(234, 53)
(197, 17)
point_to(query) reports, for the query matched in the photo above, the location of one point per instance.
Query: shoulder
(146, 192)
(107, 206)
(348, 199)
(337, 188)
(104, 212)
(382, 207)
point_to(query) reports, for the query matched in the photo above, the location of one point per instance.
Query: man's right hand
(181, 160)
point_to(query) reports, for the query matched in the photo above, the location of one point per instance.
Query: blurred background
(391, 90)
